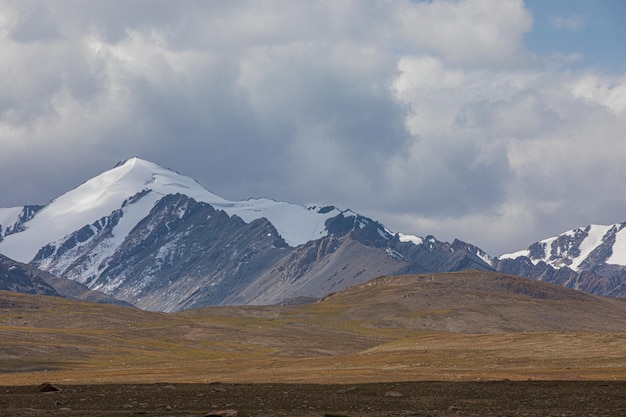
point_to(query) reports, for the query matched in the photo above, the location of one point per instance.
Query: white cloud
(476, 32)
(430, 116)
(608, 91)
(544, 144)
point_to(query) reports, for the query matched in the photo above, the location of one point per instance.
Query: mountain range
(158, 240)
(590, 259)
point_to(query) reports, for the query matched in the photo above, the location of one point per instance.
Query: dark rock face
(18, 277)
(27, 213)
(77, 247)
(362, 229)
(186, 254)
(436, 256)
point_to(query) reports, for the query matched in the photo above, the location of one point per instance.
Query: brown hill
(464, 325)
(477, 302)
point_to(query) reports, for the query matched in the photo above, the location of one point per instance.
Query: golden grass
(239, 356)
(49, 339)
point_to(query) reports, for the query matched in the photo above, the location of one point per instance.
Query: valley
(433, 344)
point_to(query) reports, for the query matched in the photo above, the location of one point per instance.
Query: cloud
(469, 32)
(432, 117)
(538, 146)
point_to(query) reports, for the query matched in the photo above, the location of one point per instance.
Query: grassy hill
(455, 326)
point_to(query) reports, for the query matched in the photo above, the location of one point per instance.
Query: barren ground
(496, 398)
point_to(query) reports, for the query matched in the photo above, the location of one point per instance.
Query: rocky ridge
(590, 259)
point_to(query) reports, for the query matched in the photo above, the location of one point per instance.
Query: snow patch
(395, 255)
(9, 217)
(593, 240)
(619, 249)
(515, 255)
(410, 238)
(484, 257)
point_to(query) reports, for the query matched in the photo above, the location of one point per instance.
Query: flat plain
(470, 343)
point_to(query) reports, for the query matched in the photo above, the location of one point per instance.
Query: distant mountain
(18, 277)
(160, 241)
(590, 259)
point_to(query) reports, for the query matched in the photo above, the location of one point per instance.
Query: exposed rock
(48, 387)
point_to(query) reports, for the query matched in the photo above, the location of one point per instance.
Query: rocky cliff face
(182, 254)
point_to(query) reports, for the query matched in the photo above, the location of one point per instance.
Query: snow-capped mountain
(143, 183)
(590, 259)
(159, 240)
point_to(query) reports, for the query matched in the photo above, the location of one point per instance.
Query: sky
(497, 122)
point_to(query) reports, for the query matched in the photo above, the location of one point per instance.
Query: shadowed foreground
(436, 399)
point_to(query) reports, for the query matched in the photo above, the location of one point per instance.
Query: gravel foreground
(435, 399)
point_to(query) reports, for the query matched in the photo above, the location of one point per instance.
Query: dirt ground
(434, 399)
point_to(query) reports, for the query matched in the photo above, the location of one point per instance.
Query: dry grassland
(349, 338)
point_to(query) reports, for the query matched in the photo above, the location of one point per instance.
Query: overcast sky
(498, 122)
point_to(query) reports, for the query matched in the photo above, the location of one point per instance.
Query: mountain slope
(18, 277)
(159, 240)
(356, 250)
(590, 259)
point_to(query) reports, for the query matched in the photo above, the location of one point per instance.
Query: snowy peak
(108, 190)
(590, 259)
(579, 249)
(95, 199)
(144, 183)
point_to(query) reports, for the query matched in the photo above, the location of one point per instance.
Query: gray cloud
(36, 25)
(373, 106)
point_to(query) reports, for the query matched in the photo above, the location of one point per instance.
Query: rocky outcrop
(27, 213)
